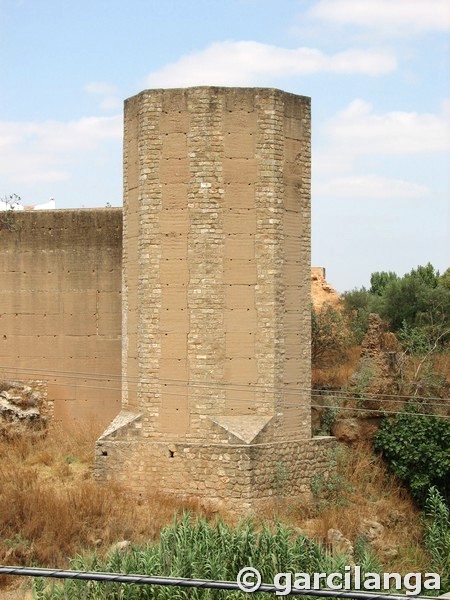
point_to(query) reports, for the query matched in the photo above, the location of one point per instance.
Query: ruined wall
(323, 293)
(60, 307)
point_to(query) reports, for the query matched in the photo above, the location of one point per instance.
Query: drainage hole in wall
(104, 452)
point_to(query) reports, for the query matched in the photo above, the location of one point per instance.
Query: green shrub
(417, 449)
(418, 299)
(329, 336)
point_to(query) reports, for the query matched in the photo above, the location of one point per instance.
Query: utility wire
(190, 583)
(290, 390)
(284, 405)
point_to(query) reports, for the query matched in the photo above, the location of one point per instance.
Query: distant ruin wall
(60, 307)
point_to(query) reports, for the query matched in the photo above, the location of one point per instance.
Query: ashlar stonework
(216, 299)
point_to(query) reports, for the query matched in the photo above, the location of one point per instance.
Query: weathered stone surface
(372, 530)
(340, 544)
(351, 430)
(375, 378)
(321, 291)
(22, 407)
(216, 199)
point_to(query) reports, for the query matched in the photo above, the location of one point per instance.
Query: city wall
(60, 308)
(191, 337)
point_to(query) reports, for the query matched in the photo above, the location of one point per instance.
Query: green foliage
(329, 415)
(437, 535)
(444, 280)
(361, 381)
(7, 220)
(419, 374)
(413, 339)
(417, 449)
(380, 280)
(418, 300)
(197, 549)
(329, 336)
(358, 305)
(329, 490)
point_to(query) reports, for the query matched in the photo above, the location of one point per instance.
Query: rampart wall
(60, 307)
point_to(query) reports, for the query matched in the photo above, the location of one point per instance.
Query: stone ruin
(22, 407)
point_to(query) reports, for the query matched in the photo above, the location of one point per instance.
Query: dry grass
(338, 373)
(363, 490)
(51, 509)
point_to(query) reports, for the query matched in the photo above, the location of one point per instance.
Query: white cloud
(36, 152)
(250, 63)
(358, 130)
(366, 187)
(391, 16)
(110, 99)
(100, 87)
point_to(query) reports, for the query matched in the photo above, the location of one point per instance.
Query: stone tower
(216, 298)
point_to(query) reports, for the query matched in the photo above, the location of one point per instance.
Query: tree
(444, 280)
(358, 305)
(417, 300)
(420, 298)
(380, 280)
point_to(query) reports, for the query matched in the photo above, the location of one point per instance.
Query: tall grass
(437, 535)
(196, 548)
(362, 489)
(51, 509)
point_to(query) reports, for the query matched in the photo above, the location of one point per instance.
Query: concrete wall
(60, 307)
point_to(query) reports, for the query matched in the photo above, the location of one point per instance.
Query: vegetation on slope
(198, 549)
(51, 509)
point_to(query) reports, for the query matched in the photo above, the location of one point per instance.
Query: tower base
(235, 476)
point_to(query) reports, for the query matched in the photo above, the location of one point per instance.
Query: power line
(290, 390)
(254, 401)
(190, 583)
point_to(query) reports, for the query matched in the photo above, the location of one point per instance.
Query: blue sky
(377, 72)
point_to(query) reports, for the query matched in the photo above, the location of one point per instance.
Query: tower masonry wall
(216, 296)
(217, 258)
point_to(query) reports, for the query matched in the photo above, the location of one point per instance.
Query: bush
(329, 336)
(358, 305)
(417, 449)
(420, 298)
